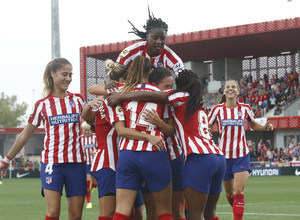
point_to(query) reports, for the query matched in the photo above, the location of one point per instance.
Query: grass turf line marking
(269, 214)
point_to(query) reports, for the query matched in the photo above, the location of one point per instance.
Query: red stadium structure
(257, 49)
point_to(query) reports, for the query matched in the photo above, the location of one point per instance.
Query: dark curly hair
(152, 22)
(190, 82)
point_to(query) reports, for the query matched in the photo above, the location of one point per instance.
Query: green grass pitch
(266, 198)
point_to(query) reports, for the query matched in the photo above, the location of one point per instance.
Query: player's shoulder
(244, 105)
(76, 95)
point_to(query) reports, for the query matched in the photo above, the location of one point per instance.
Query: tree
(11, 113)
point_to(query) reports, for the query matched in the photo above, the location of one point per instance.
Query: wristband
(6, 161)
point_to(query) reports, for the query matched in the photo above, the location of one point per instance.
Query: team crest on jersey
(124, 53)
(72, 104)
(177, 66)
(119, 109)
(239, 113)
(49, 179)
(159, 64)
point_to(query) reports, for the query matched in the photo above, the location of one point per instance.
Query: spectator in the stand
(272, 102)
(298, 92)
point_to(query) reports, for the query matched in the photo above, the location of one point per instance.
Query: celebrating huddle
(154, 145)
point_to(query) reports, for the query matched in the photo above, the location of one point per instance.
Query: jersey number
(138, 119)
(49, 169)
(203, 124)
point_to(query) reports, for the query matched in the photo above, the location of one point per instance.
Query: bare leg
(196, 202)
(162, 200)
(75, 206)
(52, 199)
(178, 205)
(211, 206)
(107, 205)
(125, 200)
(150, 206)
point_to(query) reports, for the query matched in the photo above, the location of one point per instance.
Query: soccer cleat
(89, 206)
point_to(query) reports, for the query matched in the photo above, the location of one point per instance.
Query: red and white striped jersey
(133, 113)
(172, 143)
(61, 118)
(167, 58)
(107, 152)
(230, 123)
(89, 145)
(193, 135)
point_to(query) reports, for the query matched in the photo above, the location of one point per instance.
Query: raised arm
(87, 113)
(98, 90)
(159, 96)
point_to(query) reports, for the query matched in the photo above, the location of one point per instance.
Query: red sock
(182, 219)
(49, 218)
(166, 216)
(94, 185)
(119, 216)
(216, 218)
(88, 184)
(238, 207)
(104, 218)
(88, 195)
(230, 200)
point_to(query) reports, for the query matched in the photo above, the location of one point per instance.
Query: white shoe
(89, 206)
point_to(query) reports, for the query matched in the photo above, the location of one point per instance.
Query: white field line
(263, 214)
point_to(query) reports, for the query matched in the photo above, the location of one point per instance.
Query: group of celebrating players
(153, 143)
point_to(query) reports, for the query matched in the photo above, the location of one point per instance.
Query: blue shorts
(72, 175)
(138, 200)
(177, 167)
(237, 165)
(106, 182)
(204, 172)
(88, 169)
(136, 166)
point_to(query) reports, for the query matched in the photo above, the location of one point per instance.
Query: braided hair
(189, 81)
(152, 22)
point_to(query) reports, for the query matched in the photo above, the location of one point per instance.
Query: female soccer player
(89, 144)
(142, 155)
(230, 116)
(62, 160)
(152, 46)
(205, 163)
(162, 79)
(105, 160)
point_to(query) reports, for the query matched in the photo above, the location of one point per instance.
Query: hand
(96, 102)
(3, 170)
(114, 99)
(111, 87)
(151, 116)
(157, 142)
(268, 126)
